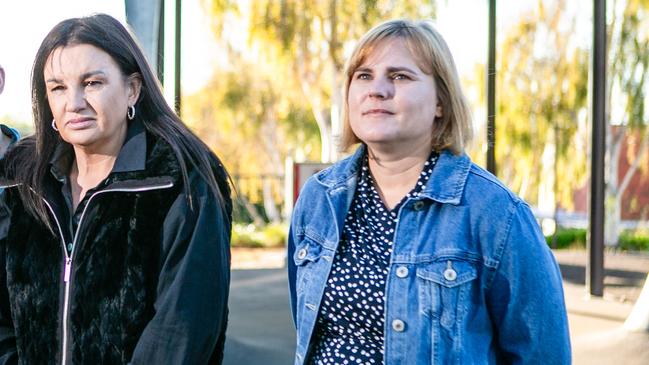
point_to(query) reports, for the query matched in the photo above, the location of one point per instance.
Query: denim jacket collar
(446, 184)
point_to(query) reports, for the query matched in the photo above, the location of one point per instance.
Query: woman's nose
(76, 100)
(381, 89)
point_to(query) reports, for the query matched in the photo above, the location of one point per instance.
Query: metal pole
(160, 69)
(595, 269)
(177, 94)
(491, 90)
(145, 18)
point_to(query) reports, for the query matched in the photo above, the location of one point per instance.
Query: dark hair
(109, 35)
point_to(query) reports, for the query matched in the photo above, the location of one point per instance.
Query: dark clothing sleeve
(8, 354)
(192, 294)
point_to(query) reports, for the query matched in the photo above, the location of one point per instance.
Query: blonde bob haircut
(453, 129)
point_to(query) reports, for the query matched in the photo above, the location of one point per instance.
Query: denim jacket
(471, 279)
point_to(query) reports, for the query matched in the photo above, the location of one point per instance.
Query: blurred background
(260, 82)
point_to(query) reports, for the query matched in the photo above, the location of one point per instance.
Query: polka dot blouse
(349, 328)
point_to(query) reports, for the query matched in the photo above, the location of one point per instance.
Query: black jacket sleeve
(8, 354)
(192, 294)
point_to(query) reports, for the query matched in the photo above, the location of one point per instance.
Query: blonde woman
(407, 252)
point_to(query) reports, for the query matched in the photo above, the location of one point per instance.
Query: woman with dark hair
(407, 252)
(117, 249)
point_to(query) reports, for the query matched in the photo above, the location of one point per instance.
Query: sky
(22, 29)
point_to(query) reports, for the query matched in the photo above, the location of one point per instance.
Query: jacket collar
(446, 184)
(131, 157)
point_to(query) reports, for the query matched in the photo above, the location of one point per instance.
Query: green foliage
(631, 65)
(274, 96)
(244, 117)
(637, 240)
(627, 92)
(542, 91)
(634, 240)
(248, 235)
(567, 238)
(302, 44)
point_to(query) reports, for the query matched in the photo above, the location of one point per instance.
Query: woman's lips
(79, 123)
(377, 112)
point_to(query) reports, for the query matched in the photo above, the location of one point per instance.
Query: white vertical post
(638, 320)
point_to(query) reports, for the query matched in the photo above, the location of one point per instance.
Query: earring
(54, 125)
(130, 112)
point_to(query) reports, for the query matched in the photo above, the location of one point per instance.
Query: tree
(306, 40)
(627, 84)
(542, 86)
(278, 92)
(241, 116)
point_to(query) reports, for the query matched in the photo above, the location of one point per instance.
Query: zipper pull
(68, 266)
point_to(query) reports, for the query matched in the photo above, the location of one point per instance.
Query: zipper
(66, 276)
(67, 273)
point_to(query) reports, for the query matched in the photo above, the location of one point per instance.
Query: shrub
(576, 238)
(242, 235)
(247, 235)
(634, 240)
(274, 235)
(568, 238)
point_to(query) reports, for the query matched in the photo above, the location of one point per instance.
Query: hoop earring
(130, 112)
(54, 125)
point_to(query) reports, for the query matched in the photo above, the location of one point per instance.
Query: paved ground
(261, 331)
(596, 323)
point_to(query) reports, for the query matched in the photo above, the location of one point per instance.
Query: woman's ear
(134, 85)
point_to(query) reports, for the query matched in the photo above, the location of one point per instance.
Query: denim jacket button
(402, 271)
(301, 253)
(450, 274)
(398, 325)
(419, 205)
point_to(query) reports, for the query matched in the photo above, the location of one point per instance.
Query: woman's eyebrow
(84, 76)
(93, 73)
(390, 69)
(401, 68)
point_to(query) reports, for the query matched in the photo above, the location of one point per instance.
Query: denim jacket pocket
(306, 254)
(444, 289)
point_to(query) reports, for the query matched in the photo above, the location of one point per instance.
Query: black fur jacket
(145, 282)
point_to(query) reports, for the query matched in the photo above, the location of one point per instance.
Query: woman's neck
(87, 171)
(396, 172)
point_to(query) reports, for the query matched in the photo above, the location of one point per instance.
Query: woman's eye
(56, 88)
(400, 77)
(363, 76)
(92, 83)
